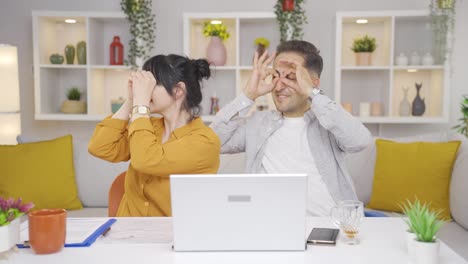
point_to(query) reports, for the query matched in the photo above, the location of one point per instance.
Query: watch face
(141, 109)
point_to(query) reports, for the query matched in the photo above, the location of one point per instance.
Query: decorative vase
(214, 106)
(405, 106)
(56, 58)
(364, 109)
(375, 109)
(401, 60)
(9, 235)
(70, 54)
(415, 59)
(116, 104)
(363, 58)
(73, 107)
(216, 52)
(260, 49)
(348, 107)
(116, 52)
(410, 240)
(426, 252)
(288, 5)
(427, 59)
(81, 52)
(418, 103)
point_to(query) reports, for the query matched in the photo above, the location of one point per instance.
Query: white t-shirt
(287, 151)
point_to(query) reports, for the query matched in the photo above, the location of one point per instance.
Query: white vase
(415, 59)
(216, 52)
(405, 105)
(427, 59)
(410, 240)
(9, 235)
(426, 252)
(364, 109)
(401, 60)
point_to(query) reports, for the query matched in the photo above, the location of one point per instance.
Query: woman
(177, 143)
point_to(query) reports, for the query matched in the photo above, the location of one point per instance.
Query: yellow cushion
(408, 170)
(40, 172)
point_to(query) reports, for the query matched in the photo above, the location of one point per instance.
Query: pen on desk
(106, 231)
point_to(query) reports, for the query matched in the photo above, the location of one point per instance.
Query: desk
(146, 240)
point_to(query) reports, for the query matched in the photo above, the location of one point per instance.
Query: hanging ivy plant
(442, 17)
(142, 27)
(290, 22)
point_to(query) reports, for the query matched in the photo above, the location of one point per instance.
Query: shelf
(222, 68)
(62, 66)
(110, 67)
(70, 117)
(402, 120)
(364, 68)
(419, 67)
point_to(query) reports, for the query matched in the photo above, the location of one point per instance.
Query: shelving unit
(383, 81)
(99, 81)
(228, 81)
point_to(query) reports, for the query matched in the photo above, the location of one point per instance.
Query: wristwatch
(141, 109)
(314, 92)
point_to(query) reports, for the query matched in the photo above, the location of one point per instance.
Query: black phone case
(325, 236)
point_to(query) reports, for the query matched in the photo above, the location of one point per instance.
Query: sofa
(94, 177)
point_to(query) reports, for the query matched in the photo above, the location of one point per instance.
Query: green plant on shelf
(462, 128)
(364, 44)
(74, 94)
(215, 30)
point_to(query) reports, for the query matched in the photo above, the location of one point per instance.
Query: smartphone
(326, 236)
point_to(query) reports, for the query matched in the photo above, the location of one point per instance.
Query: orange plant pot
(47, 230)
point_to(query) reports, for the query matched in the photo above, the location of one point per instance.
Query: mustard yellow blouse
(193, 148)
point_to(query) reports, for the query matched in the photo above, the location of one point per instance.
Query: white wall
(16, 29)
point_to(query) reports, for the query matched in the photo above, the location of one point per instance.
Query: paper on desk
(140, 231)
(78, 229)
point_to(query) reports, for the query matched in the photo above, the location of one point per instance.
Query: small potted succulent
(262, 44)
(363, 48)
(216, 51)
(425, 224)
(10, 212)
(74, 104)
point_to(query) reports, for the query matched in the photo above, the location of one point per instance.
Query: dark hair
(171, 69)
(312, 58)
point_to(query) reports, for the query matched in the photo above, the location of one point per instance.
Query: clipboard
(102, 230)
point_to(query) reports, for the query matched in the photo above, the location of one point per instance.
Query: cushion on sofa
(408, 170)
(93, 175)
(459, 185)
(40, 172)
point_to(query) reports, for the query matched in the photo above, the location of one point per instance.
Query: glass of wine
(348, 215)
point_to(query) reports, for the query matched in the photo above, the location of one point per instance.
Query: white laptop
(239, 212)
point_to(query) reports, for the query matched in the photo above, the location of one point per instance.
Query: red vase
(288, 5)
(116, 52)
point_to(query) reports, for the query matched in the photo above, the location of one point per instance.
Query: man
(309, 133)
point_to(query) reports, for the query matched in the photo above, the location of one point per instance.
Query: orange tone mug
(47, 230)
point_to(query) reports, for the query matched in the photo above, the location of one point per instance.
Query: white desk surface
(147, 240)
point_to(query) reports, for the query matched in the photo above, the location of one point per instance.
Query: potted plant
(73, 105)
(442, 20)
(10, 212)
(216, 51)
(462, 128)
(262, 44)
(363, 48)
(142, 24)
(425, 223)
(291, 17)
